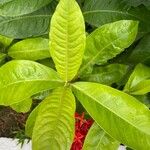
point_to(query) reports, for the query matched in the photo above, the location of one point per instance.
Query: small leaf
(67, 36)
(108, 41)
(5, 41)
(31, 121)
(98, 139)
(117, 113)
(54, 126)
(24, 78)
(108, 74)
(30, 49)
(139, 81)
(23, 106)
(21, 7)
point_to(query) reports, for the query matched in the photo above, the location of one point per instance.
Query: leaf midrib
(59, 81)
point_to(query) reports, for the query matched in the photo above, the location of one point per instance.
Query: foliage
(95, 62)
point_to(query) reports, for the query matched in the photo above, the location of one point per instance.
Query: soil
(11, 122)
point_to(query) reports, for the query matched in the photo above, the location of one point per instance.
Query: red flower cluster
(81, 128)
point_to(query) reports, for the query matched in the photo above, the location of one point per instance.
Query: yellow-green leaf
(54, 126)
(67, 35)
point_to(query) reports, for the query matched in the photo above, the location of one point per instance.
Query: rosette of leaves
(121, 118)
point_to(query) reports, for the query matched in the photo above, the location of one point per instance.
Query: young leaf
(21, 7)
(100, 12)
(98, 139)
(54, 126)
(139, 81)
(108, 41)
(67, 36)
(24, 78)
(23, 106)
(108, 75)
(30, 49)
(117, 113)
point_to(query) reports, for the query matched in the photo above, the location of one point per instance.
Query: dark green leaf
(99, 12)
(109, 74)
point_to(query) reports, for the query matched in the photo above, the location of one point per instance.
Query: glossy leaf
(30, 49)
(54, 126)
(98, 139)
(108, 41)
(31, 121)
(24, 78)
(21, 7)
(117, 113)
(141, 53)
(23, 106)
(139, 81)
(30, 25)
(67, 36)
(99, 12)
(108, 74)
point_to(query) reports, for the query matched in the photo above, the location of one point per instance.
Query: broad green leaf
(141, 53)
(108, 41)
(31, 121)
(24, 78)
(98, 139)
(108, 74)
(23, 106)
(30, 25)
(30, 49)
(54, 126)
(117, 113)
(99, 12)
(67, 35)
(139, 81)
(21, 7)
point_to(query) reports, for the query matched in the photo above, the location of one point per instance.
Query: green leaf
(23, 106)
(141, 53)
(30, 49)
(30, 25)
(99, 12)
(139, 81)
(97, 139)
(5, 41)
(108, 74)
(21, 7)
(2, 58)
(24, 78)
(67, 36)
(31, 121)
(117, 113)
(54, 126)
(108, 41)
